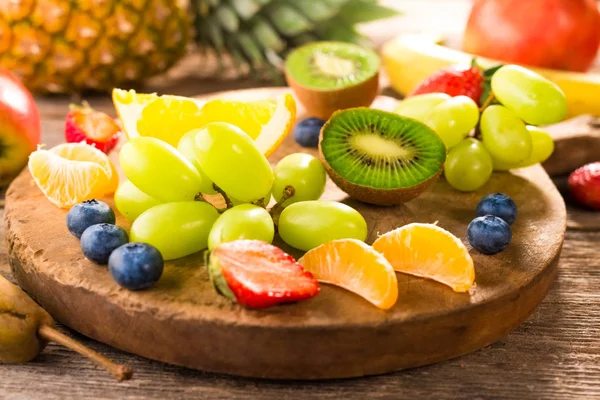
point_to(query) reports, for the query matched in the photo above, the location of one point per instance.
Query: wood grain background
(554, 355)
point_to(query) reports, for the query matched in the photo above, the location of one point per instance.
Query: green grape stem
(288, 193)
(228, 201)
(488, 101)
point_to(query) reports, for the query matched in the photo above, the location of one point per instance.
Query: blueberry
(500, 205)
(136, 266)
(307, 132)
(100, 240)
(489, 234)
(88, 213)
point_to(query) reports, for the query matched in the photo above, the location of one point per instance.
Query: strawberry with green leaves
(257, 274)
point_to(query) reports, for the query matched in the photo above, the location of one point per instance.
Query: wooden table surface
(553, 355)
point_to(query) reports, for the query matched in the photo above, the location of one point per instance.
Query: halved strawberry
(258, 274)
(83, 123)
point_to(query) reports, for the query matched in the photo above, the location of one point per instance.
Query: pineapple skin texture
(59, 46)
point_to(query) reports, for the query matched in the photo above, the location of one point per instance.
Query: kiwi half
(331, 76)
(379, 157)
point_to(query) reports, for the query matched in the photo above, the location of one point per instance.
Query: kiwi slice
(331, 76)
(379, 157)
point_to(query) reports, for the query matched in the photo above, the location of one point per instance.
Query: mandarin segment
(428, 251)
(354, 266)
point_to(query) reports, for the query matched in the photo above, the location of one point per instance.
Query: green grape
(304, 173)
(309, 224)
(543, 147)
(266, 199)
(535, 99)
(186, 148)
(504, 135)
(417, 107)
(453, 119)
(157, 169)
(175, 229)
(245, 221)
(233, 162)
(468, 165)
(131, 201)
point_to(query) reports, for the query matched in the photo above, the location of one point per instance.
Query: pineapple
(63, 46)
(257, 34)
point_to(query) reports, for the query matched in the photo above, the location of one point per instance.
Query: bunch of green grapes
(164, 194)
(503, 135)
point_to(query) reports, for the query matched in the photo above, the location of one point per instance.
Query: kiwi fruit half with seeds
(379, 157)
(331, 76)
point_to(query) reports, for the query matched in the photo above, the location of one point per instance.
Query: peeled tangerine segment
(428, 251)
(71, 173)
(355, 266)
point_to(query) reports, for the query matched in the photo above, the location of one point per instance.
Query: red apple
(19, 126)
(557, 34)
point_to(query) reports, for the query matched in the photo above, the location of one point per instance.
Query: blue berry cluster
(134, 266)
(490, 232)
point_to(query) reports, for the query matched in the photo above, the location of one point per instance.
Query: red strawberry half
(456, 80)
(94, 127)
(584, 184)
(258, 274)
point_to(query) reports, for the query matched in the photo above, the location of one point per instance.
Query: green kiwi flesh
(331, 65)
(379, 157)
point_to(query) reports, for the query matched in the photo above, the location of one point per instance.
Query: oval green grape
(453, 119)
(265, 200)
(304, 173)
(245, 221)
(543, 147)
(468, 165)
(157, 169)
(504, 135)
(417, 107)
(186, 148)
(175, 229)
(535, 99)
(232, 161)
(131, 201)
(308, 224)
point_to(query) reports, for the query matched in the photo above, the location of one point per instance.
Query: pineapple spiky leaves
(255, 35)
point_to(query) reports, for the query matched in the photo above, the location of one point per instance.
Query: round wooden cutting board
(337, 334)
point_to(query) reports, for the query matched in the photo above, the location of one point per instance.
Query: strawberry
(258, 274)
(584, 184)
(456, 80)
(94, 127)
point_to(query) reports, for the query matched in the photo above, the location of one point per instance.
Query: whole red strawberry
(584, 184)
(456, 80)
(83, 123)
(258, 274)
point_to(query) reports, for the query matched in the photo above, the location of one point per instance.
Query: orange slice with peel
(355, 266)
(268, 122)
(428, 251)
(168, 118)
(72, 172)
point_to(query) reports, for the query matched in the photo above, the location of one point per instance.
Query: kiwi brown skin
(370, 195)
(322, 103)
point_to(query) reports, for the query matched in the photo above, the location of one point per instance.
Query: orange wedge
(428, 251)
(168, 118)
(268, 122)
(355, 266)
(72, 172)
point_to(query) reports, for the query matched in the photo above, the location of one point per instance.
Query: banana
(408, 59)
